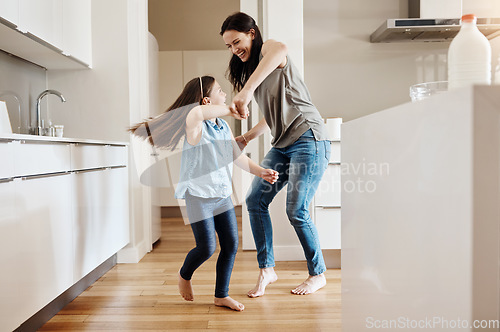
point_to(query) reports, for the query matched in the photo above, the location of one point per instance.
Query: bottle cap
(468, 17)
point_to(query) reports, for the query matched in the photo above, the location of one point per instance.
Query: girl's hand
(242, 142)
(269, 175)
(240, 103)
(236, 115)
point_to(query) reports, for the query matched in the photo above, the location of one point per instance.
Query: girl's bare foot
(310, 285)
(228, 302)
(266, 276)
(185, 288)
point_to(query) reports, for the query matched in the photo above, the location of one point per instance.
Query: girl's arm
(242, 161)
(273, 56)
(195, 118)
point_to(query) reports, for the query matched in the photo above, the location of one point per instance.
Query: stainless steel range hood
(428, 29)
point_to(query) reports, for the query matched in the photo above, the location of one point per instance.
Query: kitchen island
(421, 214)
(64, 213)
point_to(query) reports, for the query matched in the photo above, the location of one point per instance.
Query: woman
(205, 181)
(300, 149)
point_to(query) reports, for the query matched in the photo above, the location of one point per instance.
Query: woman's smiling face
(239, 43)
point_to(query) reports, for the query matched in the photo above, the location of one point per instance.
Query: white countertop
(21, 137)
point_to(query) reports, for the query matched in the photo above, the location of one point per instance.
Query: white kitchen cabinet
(77, 30)
(42, 19)
(326, 204)
(55, 34)
(9, 11)
(46, 246)
(101, 217)
(10, 301)
(7, 164)
(33, 158)
(56, 224)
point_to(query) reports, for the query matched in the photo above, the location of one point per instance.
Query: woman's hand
(240, 103)
(241, 141)
(269, 175)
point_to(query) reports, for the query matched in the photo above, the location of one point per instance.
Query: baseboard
(178, 211)
(332, 258)
(50, 310)
(133, 254)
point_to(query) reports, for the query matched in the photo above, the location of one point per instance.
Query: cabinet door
(328, 225)
(9, 11)
(77, 30)
(10, 241)
(101, 217)
(45, 245)
(43, 19)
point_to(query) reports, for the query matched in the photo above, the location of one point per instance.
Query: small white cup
(59, 130)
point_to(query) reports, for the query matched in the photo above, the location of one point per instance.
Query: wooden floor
(144, 296)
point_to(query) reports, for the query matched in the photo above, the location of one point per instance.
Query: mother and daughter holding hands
(299, 157)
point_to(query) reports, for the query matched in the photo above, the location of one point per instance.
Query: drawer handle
(6, 180)
(40, 176)
(90, 170)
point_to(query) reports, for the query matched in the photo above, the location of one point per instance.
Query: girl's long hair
(168, 128)
(239, 72)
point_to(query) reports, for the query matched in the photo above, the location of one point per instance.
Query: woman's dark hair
(239, 72)
(166, 130)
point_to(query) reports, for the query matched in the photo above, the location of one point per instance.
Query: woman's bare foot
(266, 276)
(228, 302)
(310, 285)
(185, 288)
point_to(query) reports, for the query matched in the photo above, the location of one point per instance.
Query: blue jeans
(224, 223)
(301, 166)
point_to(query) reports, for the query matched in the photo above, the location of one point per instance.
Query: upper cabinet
(77, 29)
(55, 34)
(9, 11)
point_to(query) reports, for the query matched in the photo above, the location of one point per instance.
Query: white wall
(104, 101)
(350, 77)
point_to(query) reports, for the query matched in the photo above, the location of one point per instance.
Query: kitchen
(362, 78)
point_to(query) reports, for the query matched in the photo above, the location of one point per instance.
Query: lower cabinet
(55, 228)
(45, 249)
(101, 219)
(10, 249)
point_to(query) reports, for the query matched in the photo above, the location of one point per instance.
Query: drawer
(328, 192)
(7, 157)
(116, 155)
(329, 227)
(84, 156)
(41, 158)
(335, 155)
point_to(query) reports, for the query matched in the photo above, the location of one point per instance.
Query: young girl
(208, 152)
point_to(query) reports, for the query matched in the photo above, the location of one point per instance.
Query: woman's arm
(273, 56)
(255, 132)
(195, 118)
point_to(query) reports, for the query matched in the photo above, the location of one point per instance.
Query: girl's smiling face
(239, 43)
(217, 96)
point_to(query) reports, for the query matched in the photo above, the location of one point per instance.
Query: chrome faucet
(38, 128)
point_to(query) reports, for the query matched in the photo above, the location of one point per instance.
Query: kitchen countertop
(35, 138)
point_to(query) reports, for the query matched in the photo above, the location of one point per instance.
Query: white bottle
(469, 56)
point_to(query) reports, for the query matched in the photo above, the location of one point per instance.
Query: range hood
(419, 27)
